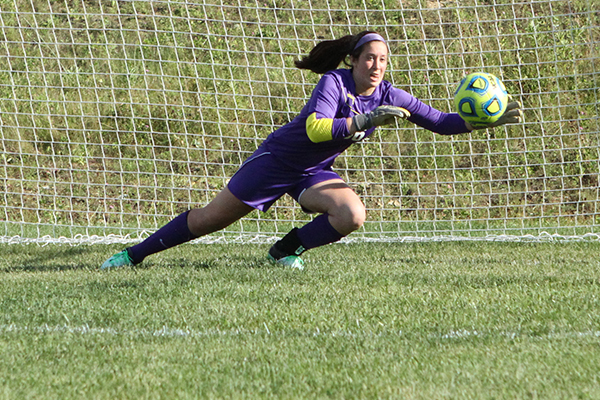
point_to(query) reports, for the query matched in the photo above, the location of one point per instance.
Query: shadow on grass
(30, 258)
(227, 261)
(36, 258)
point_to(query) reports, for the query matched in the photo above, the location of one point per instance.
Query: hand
(512, 115)
(382, 115)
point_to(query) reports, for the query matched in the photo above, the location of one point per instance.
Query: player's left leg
(342, 212)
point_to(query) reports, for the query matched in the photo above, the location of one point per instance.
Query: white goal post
(115, 116)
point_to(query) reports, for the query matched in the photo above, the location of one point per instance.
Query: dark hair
(328, 55)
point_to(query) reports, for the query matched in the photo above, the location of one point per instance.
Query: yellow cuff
(319, 130)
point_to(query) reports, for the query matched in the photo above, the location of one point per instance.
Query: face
(368, 69)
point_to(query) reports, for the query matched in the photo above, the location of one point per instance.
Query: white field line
(166, 331)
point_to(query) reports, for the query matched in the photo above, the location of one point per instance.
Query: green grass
(456, 320)
(99, 108)
(195, 93)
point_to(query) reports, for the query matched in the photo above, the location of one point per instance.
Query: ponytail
(328, 55)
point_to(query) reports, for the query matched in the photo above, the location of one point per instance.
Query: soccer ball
(480, 99)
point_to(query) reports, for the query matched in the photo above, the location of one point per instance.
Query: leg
(336, 199)
(221, 212)
(342, 213)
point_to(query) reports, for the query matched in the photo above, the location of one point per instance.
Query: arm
(445, 123)
(324, 105)
(428, 117)
(322, 108)
(382, 115)
(512, 115)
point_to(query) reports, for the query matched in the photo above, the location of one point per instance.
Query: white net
(115, 116)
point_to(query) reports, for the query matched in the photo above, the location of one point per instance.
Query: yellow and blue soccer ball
(480, 99)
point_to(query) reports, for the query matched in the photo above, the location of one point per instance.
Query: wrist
(351, 127)
(361, 122)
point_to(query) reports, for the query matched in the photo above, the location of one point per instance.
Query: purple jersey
(312, 140)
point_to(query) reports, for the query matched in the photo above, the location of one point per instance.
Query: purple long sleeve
(426, 116)
(333, 100)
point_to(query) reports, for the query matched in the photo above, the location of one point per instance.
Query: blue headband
(369, 37)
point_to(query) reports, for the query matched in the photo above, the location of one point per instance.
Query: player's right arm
(326, 101)
(323, 107)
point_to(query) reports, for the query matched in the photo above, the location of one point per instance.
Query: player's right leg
(221, 212)
(121, 259)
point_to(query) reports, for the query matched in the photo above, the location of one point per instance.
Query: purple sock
(318, 232)
(172, 234)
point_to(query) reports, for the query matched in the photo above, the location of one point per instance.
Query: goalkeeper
(345, 107)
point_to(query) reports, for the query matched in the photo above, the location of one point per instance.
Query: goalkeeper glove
(382, 115)
(512, 115)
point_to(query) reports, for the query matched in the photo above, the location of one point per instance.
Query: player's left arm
(512, 115)
(426, 116)
(443, 123)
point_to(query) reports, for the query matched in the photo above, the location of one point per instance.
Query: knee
(352, 218)
(359, 215)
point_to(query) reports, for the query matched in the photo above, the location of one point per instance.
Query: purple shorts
(262, 180)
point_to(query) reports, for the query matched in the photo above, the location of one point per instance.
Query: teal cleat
(121, 259)
(293, 262)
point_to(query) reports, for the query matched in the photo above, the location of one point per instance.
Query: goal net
(115, 116)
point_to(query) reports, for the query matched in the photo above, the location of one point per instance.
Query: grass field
(116, 116)
(456, 320)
